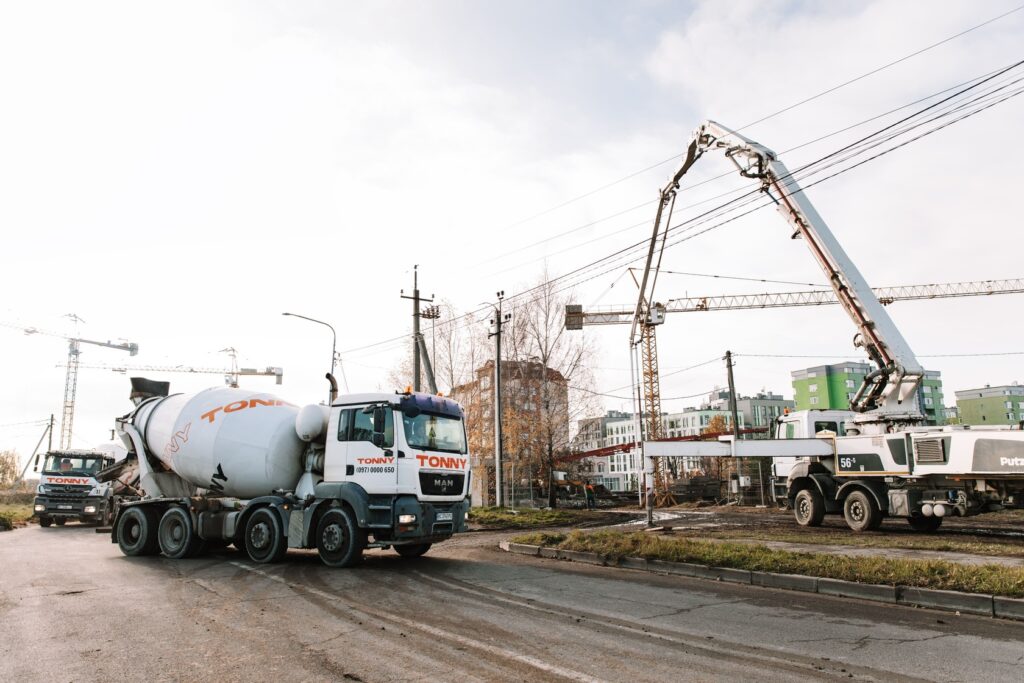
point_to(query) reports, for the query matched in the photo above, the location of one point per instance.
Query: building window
(849, 384)
(926, 389)
(814, 400)
(1009, 416)
(928, 401)
(812, 387)
(1008, 404)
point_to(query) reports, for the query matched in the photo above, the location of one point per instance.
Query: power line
(852, 149)
(882, 68)
(767, 117)
(745, 279)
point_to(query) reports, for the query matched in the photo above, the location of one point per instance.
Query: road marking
(430, 630)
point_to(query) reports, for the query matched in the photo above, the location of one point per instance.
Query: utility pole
(495, 332)
(416, 338)
(735, 418)
(432, 313)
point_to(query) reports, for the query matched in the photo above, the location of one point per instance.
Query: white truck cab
(68, 488)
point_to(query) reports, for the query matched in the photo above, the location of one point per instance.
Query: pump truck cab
(227, 465)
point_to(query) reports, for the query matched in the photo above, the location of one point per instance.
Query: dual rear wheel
(859, 509)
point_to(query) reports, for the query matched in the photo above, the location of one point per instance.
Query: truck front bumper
(430, 521)
(85, 508)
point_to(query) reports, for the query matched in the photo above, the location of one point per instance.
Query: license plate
(444, 516)
(64, 507)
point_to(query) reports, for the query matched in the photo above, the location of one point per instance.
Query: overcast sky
(178, 174)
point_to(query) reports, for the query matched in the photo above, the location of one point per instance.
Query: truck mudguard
(876, 488)
(353, 494)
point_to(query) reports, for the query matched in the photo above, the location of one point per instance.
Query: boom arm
(898, 373)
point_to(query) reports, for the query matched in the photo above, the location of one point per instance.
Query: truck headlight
(89, 509)
(406, 519)
(39, 508)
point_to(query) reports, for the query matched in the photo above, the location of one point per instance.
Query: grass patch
(908, 541)
(504, 518)
(12, 515)
(994, 579)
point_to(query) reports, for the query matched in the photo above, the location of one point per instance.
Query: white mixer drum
(232, 441)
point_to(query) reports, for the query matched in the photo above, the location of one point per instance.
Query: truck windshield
(435, 433)
(72, 464)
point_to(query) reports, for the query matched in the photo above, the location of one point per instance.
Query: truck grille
(68, 488)
(929, 450)
(432, 484)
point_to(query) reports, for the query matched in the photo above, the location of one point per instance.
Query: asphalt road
(72, 608)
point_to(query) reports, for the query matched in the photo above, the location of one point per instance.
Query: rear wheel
(809, 508)
(410, 552)
(61, 521)
(861, 512)
(176, 536)
(137, 532)
(45, 522)
(339, 540)
(922, 523)
(264, 537)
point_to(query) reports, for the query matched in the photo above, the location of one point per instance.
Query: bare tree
(561, 389)
(8, 468)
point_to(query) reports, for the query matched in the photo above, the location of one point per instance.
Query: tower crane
(231, 375)
(576, 317)
(71, 377)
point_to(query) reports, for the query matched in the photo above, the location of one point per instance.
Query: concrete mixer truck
(228, 465)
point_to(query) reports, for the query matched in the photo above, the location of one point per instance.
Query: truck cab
(68, 488)
(407, 455)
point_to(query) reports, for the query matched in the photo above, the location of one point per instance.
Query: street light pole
(334, 344)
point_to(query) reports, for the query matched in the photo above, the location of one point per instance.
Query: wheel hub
(260, 536)
(332, 538)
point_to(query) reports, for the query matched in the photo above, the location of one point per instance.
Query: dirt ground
(995, 537)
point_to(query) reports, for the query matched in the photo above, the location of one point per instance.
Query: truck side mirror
(378, 419)
(377, 439)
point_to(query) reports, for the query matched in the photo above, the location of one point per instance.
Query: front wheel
(861, 512)
(922, 523)
(339, 540)
(809, 508)
(264, 537)
(411, 552)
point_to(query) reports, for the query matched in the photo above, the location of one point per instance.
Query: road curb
(793, 582)
(862, 591)
(954, 601)
(949, 601)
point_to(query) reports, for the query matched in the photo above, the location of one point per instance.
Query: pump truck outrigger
(879, 460)
(228, 465)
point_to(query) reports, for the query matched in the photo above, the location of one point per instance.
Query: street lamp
(334, 344)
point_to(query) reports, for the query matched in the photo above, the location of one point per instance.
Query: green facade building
(831, 387)
(989, 405)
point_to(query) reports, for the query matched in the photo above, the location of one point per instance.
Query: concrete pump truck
(881, 462)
